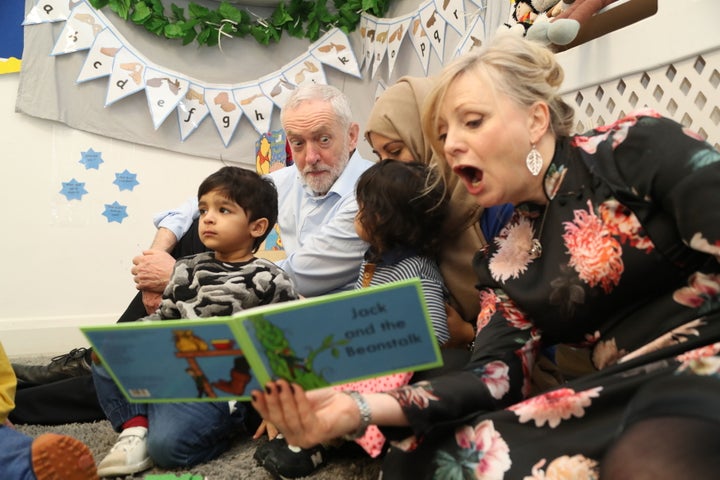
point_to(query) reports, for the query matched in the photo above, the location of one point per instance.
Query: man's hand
(151, 300)
(151, 271)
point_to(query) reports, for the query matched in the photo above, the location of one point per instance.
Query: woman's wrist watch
(365, 416)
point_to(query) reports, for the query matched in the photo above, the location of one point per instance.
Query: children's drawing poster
(12, 13)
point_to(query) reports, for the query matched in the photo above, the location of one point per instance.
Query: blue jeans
(15, 455)
(179, 434)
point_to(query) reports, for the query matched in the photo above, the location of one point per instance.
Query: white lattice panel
(687, 91)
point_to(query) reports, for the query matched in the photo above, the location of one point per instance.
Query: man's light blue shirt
(323, 250)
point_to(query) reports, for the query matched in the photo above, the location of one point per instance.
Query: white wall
(64, 265)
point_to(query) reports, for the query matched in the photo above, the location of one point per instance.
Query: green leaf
(98, 4)
(260, 34)
(156, 25)
(300, 18)
(178, 13)
(157, 7)
(281, 16)
(142, 13)
(121, 7)
(197, 11)
(174, 30)
(313, 30)
(204, 35)
(189, 37)
(230, 12)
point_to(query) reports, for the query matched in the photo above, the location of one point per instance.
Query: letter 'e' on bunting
(163, 92)
(191, 110)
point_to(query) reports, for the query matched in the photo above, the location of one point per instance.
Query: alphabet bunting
(109, 54)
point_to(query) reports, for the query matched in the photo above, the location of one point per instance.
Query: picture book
(314, 342)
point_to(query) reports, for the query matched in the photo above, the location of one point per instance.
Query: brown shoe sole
(59, 457)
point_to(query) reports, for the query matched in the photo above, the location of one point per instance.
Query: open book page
(314, 342)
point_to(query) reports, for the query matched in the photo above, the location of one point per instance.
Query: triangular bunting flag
(80, 31)
(473, 38)
(453, 11)
(127, 76)
(48, 11)
(191, 110)
(256, 106)
(164, 92)
(421, 42)
(380, 45)
(435, 27)
(305, 69)
(334, 49)
(277, 88)
(99, 60)
(368, 43)
(362, 28)
(396, 34)
(224, 111)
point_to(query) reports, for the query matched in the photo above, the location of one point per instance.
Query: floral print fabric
(616, 279)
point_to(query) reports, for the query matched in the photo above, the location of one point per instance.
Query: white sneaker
(129, 454)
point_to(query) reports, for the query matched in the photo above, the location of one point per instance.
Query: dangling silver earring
(534, 161)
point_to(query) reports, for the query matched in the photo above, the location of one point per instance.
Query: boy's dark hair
(255, 194)
(397, 209)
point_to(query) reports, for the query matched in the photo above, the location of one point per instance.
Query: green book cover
(315, 342)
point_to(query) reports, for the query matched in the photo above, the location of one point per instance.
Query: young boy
(49, 456)
(238, 208)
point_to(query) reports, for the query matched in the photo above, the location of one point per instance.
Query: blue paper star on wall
(115, 212)
(126, 180)
(91, 159)
(73, 190)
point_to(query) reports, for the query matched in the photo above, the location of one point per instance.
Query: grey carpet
(348, 462)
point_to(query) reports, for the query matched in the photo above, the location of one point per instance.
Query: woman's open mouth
(471, 176)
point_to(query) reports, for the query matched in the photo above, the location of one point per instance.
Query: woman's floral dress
(628, 273)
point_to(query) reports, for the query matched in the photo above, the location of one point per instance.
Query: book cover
(315, 342)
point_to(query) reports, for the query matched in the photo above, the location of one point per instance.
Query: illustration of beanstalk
(285, 363)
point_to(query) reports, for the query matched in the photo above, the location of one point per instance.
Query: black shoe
(285, 461)
(73, 364)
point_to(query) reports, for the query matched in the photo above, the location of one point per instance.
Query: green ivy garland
(300, 18)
